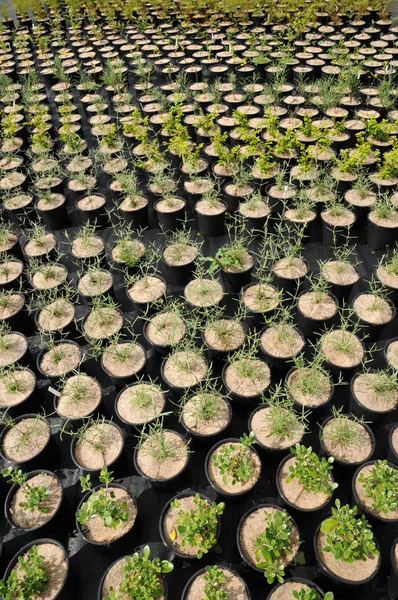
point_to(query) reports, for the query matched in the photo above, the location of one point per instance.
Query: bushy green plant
(102, 503)
(313, 472)
(29, 580)
(381, 486)
(214, 578)
(348, 537)
(272, 543)
(236, 466)
(141, 577)
(198, 525)
(34, 495)
(311, 594)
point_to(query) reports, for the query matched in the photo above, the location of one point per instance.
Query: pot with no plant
(215, 582)
(373, 311)
(190, 525)
(233, 466)
(277, 425)
(179, 256)
(26, 441)
(316, 307)
(40, 569)
(245, 376)
(374, 395)
(280, 340)
(97, 443)
(80, 396)
(106, 515)
(137, 576)
(161, 456)
(349, 561)
(304, 480)
(374, 489)
(140, 404)
(34, 500)
(268, 541)
(205, 414)
(348, 439)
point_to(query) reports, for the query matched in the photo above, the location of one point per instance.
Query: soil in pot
(284, 591)
(165, 329)
(98, 444)
(140, 403)
(16, 386)
(80, 397)
(27, 519)
(232, 584)
(347, 440)
(309, 387)
(56, 315)
(391, 353)
(224, 335)
(340, 273)
(26, 439)
(290, 270)
(204, 292)
(165, 466)
(373, 309)
(365, 390)
(87, 246)
(342, 348)
(10, 305)
(260, 298)
(263, 422)
(184, 369)
(247, 377)
(103, 322)
(10, 271)
(123, 359)
(40, 246)
(282, 341)
(206, 414)
(60, 359)
(295, 492)
(14, 347)
(47, 278)
(95, 283)
(146, 290)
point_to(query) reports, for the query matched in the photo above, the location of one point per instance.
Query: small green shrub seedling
(102, 503)
(141, 577)
(35, 495)
(381, 486)
(214, 579)
(272, 543)
(348, 537)
(198, 525)
(313, 473)
(235, 461)
(311, 594)
(29, 580)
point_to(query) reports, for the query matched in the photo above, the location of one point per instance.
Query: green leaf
(328, 525)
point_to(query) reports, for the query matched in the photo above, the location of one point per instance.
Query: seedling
(28, 580)
(381, 486)
(198, 525)
(102, 503)
(235, 461)
(35, 495)
(342, 430)
(282, 420)
(311, 594)
(141, 577)
(214, 578)
(313, 473)
(158, 445)
(272, 543)
(348, 537)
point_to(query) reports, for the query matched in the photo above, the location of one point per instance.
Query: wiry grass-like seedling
(158, 445)
(343, 430)
(282, 419)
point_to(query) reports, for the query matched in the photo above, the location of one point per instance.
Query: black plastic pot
(29, 405)
(378, 237)
(64, 592)
(114, 466)
(235, 281)
(55, 218)
(370, 515)
(392, 453)
(162, 536)
(393, 577)
(340, 581)
(123, 380)
(211, 225)
(43, 351)
(247, 513)
(335, 235)
(294, 507)
(170, 221)
(208, 439)
(307, 582)
(50, 526)
(184, 595)
(369, 415)
(145, 308)
(370, 330)
(310, 327)
(220, 492)
(44, 457)
(182, 274)
(345, 467)
(280, 363)
(168, 484)
(290, 286)
(96, 215)
(119, 544)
